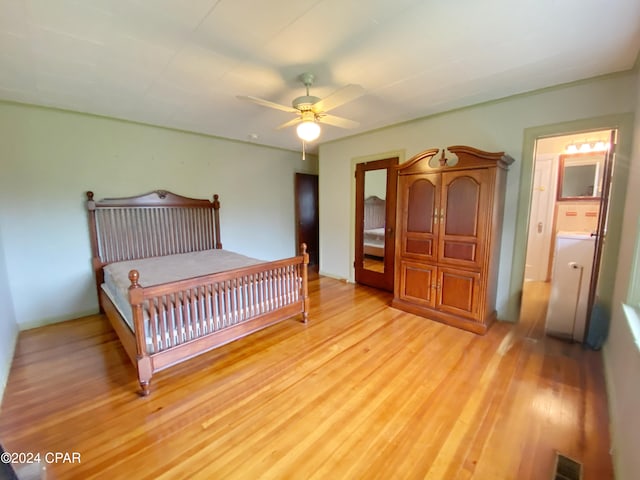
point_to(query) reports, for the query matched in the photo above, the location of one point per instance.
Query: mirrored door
(375, 222)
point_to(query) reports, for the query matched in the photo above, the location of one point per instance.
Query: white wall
(375, 183)
(495, 126)
(621, 354)
(51, 157)
(8, 325)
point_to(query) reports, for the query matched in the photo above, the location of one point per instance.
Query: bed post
(145, 370)
(216, 220)
(96, 262)
(305, 279)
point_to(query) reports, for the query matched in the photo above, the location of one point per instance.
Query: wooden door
(419, 221)
(458, 292)
(306, 211)
(464, 202)
(376, 184)
(418, 283)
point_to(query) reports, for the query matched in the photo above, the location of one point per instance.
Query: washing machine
(570, 281)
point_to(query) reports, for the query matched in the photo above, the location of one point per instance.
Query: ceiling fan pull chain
(303, 153)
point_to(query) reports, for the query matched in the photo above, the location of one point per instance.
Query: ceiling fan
(313, 110)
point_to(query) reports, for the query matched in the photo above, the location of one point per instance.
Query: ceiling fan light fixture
(308, 130)
(313, 110)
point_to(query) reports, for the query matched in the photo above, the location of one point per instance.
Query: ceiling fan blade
(337, 98)
(267, 103)
(338, 121)
(289, 123)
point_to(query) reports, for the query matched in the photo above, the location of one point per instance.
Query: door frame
(624, 124)
(603, 221)
(401, 155)
(385, 279)
(554, 186)
(314, 257)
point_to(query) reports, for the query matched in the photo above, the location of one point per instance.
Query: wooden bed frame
(161, 223)
(374, 217)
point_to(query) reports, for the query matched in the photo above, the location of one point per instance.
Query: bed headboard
(374, 212)
(151, 225)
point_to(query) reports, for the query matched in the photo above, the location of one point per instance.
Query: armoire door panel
(462, 206)
(465, 195)
(460, 250)
(419, 246)
(420, 196)
(458, 292)
(421, 204)
(416, 283)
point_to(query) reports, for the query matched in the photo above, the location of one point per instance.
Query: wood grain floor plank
(361, 391)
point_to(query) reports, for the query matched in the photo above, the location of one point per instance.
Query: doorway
(306, 215)
(375, 222)
(567, 226)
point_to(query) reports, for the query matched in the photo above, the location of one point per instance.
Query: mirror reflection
(580, 176)
(375, 190)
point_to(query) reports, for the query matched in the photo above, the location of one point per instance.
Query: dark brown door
(307, 230)
(375, 223)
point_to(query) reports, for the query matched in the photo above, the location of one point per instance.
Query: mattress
(374, 242)
(374, 236)
(158, 270)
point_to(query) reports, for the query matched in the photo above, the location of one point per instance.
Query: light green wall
(51, 157)
(8, 325)
(494, 126)
(375, 183)
(621, 353)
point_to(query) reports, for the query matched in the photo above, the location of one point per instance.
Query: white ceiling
(182, 63)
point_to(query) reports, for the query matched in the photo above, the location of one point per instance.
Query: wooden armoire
(448, 231)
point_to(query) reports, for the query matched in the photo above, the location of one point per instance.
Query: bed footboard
(179, 320)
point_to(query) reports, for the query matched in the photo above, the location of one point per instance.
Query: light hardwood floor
(362, 391)
(375, 264)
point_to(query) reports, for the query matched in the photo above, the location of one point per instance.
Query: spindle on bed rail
(145, 370)
(305, 290)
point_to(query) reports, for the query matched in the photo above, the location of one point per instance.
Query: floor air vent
(566, 468)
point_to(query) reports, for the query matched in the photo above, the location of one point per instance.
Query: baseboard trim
(51, 320)
(5, 365)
